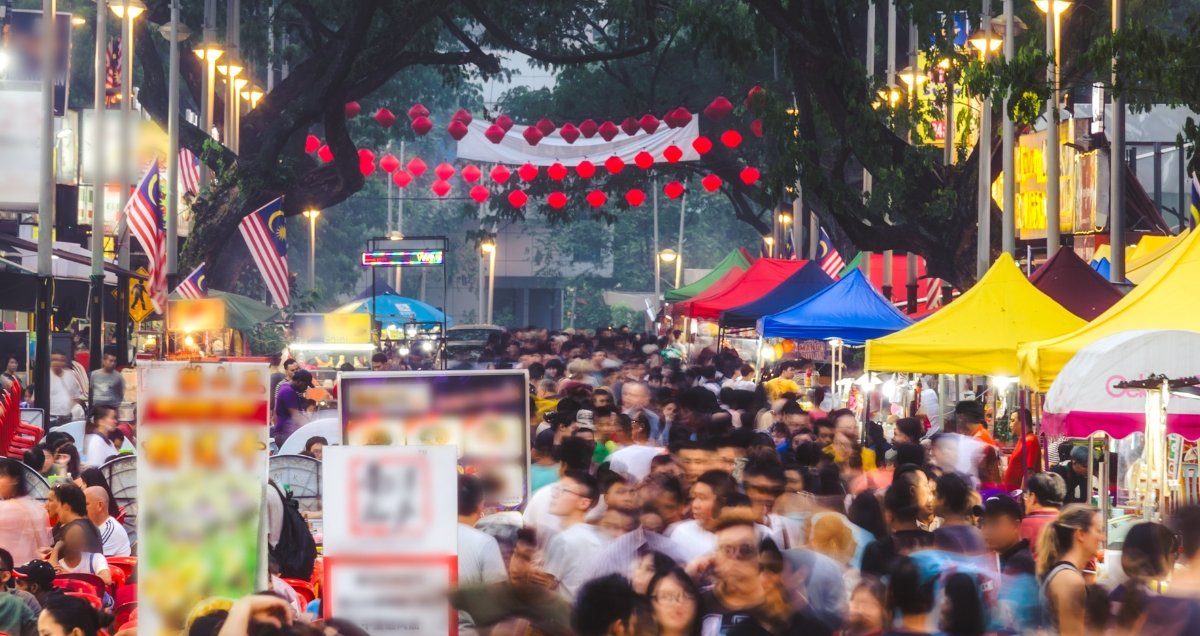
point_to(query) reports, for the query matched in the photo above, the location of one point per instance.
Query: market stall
(1073, 284)
(797, 288)
(213, 326)
(761, 279)
(1165, 300)
(324, 342)
(736, 261)
(850, 310)
(406, 321)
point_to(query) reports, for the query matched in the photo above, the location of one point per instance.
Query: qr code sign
(390, 497)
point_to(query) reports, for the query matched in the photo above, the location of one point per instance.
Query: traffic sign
(140, 306)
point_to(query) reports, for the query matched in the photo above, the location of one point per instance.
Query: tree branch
(508, 40)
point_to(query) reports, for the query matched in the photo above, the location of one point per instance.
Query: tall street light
(175, 33)
(1010, 26)
(208, 53)
(1053, 10)
(489, 247)
(913, 78)
(127, 11)
(312, 216)
(986, 42)
(670, 257)
(99, 100)
(1116, 170)
(45, 269)
(230, 71)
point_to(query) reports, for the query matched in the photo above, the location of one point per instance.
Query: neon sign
(403, 258)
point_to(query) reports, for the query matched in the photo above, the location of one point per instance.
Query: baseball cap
(584, 420)
(1002, 505)
(36, 571)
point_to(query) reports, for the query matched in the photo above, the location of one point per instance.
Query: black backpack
(296, 550)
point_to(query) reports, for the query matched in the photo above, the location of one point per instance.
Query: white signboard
(391, 537)
(20, 144)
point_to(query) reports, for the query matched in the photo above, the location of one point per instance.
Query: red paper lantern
(418, 110)
(556, 172)
(569, 133)
(681, 117)
(517, 198)
(673, 190)
(557, 200)
(457, 130)
(731, 138)
(365, 154)
(401, 178)
(755, 98)
(588, 128)
(462, 115)
(546, 126)
(367, 168)
(711, 183)
(608, 131)
(614, 164)
(756, 128)
(311, 144)
(702, 145)
(527, 172)
(643, 160)
(389, 163)
(635, 197)
(749, 175)
(672, 153)
(585, 169)
(440, 188)
(422, 125)
(352, 109)
(718, 109)
(385, 118)
(495, 133)
(630, 126)
(325, 154)
(597, 198)
(471, 174)
(500, 174)
(444, 171)
(532, 135)
(505, 122)
(417, 167)
(479, 193)
(648, 123)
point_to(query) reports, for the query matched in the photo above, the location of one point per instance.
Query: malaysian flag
(189, 171)
(789, 248)
(827, 256)
(266, 237)
(146, 223)
(195, 285)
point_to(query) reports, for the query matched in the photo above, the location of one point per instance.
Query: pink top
(24, 529)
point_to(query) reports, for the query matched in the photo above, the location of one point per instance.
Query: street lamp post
(670, 257)
(127, 11)
(96, 306)
(1116, 170)
(770, 243)
(209, 53)
(1053, 10)
(45, 268)
(1011, 26)
(175, 33)
(489, 247)
(312, 216)
(913, 78)
(986, 41)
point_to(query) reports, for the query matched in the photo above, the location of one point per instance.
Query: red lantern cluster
(385, 118)
(311, 144)
(352, 109)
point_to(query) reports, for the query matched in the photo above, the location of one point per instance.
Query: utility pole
(891, 85)
(45, 267)
(1053, 238)
(1116, 170)
(96, 303)
(1008, 230)
(865, 257)
(983, 251)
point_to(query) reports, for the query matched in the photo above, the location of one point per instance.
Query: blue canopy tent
(795, 289)
(849, 309)
(389, 307)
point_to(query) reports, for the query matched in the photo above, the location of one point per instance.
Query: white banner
(20, 144)
(514, 150)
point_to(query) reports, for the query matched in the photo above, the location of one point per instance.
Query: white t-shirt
(634, 460)
(565, 558)
(479, 559)
(90, 563)
(537, 515)
(97, 449)
(64, 390)
(114, 538)
(693, 541)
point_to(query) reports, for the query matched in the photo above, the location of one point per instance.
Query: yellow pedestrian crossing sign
(140, 306)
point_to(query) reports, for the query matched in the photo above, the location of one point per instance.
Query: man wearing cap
(1043, 499)
(36, 578)
(288, 410)
(1075, 473)
(6, 582)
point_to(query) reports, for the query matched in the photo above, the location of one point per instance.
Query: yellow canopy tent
(978, 333)
(1151, 252)
(1167, 299)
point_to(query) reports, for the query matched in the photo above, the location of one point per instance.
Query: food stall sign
(196, 314)
(404, 258)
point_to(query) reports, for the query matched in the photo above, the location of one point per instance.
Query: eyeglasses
(577, 494)
(677, 598)
(743, 552)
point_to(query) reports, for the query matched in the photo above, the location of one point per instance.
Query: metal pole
(891, 81)
(1053, 240)
(125, 158)
(679, 248)
(1008, 229)
(948, 140)
(910, 281)
(400, 229)
(231, 58)
(798, 223)
(173, 153)
(865, 262)
(481, 300)
(491, 281)
(1116, 170)
(312, 250)
(96, 305)
(814, 234)
(210, 80)
(45, 267)
(657, 268)
(983, 251)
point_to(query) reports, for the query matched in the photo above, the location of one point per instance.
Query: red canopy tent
(929, 290)
(764, 275)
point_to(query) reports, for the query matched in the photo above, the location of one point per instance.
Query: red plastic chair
(118, 578)
(94, 582)
(126, 594)
(125, 613)
(74, 586)
(128, 564)
(90, 598)
(304, 589)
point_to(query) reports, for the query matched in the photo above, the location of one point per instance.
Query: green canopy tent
(735, 259)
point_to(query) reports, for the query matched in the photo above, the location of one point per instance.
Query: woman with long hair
(674, 603)
(97, 447)
(1146, 558)
(24, 525)
(1064, 549)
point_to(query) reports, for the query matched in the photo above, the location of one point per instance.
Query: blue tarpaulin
(392, 308)
(849, 309)
(797, 288)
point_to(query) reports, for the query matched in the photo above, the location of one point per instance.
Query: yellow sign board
(347, 328)
(140, 306)
(196, 314)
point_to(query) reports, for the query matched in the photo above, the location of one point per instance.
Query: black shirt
(718, 619)
(1017, 560)
(1077, 490)
(94, 544)
(880, 555)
